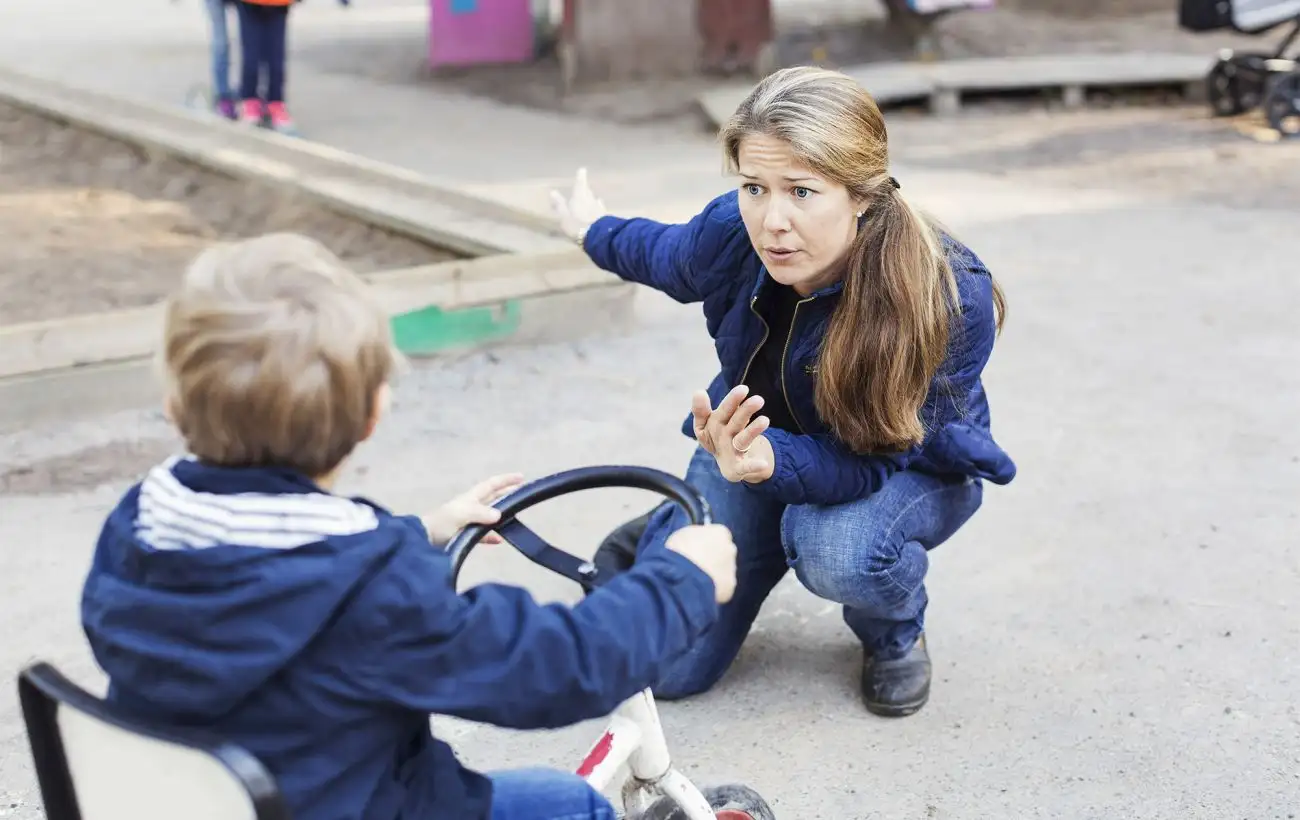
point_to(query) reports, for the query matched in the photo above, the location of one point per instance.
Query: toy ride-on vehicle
(655, 789)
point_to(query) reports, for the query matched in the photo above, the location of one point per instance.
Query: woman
(860, 333)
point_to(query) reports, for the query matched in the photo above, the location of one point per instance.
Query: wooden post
(605, 40)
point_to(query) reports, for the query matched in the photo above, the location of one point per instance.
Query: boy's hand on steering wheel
(711, 549)
(474, 506)
(734, 436)
(579, 210)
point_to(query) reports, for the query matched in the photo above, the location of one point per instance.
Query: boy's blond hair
(275, 353)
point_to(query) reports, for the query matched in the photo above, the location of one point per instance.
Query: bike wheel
(730, 802)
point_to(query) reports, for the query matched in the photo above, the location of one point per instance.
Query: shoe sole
(898, 709)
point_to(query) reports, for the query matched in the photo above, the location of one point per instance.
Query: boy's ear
(383, 398)
(169, 409)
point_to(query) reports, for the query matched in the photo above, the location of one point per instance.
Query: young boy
(231, 590)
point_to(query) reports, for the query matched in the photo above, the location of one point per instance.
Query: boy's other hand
(474, 506)
(711, 549)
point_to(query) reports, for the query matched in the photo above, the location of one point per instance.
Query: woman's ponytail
(889, 333)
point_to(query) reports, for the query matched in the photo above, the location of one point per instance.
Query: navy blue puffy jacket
(710, 260)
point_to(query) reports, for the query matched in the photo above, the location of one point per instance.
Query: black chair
(96, 764)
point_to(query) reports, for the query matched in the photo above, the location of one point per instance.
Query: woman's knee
(837, 556)
(873, 553)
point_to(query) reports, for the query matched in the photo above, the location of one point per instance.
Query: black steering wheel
(536, 549)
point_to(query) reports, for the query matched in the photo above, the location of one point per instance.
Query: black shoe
(617, 552)
(898, 687)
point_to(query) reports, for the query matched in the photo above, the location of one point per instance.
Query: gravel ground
(92, 224)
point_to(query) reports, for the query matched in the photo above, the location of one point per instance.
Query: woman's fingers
(701, 410)
(727, 407)
(743, 415)
(743, 440)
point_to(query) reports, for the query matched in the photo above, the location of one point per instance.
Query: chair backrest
(95, 764)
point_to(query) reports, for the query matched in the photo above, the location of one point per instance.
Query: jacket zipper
(794, 317)
(767, 331)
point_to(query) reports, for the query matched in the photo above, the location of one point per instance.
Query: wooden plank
(77, 341)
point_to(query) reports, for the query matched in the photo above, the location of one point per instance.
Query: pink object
(473, 32)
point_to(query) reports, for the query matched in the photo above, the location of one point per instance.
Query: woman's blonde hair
(274, 353)
(889, 333)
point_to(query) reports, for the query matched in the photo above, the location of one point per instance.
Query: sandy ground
(91, 224)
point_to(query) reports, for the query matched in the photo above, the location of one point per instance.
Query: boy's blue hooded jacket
(319, 632)
(710, 260)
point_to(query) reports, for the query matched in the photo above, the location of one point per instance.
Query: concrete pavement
(1115, 634)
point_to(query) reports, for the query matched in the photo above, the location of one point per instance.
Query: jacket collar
(764, 277)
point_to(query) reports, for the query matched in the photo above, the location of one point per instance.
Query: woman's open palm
(577, 211)
(734, 435)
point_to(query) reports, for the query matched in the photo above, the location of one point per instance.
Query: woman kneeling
(847, 432)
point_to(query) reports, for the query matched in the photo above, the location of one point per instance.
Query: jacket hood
(208, 581)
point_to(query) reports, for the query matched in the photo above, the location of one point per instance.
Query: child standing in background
(263, 38)
(222, 95)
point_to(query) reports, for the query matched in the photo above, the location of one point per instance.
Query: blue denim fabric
(220, 48)
(869, 555)
(263, 39)
(546, 794)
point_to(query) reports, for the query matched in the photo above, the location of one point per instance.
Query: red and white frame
(635, 736)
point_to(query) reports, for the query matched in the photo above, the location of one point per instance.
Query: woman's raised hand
(733, 435)
(577, 211)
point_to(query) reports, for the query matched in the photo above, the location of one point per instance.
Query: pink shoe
(280, 119)
(250, 112)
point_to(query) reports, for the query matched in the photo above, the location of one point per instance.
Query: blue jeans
(220, 48)
(263, 37)
(869, 555)
(546, 794)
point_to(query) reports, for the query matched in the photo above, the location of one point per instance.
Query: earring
(860, 213)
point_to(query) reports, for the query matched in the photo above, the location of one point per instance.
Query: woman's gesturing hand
(734, 436)
(577, 211)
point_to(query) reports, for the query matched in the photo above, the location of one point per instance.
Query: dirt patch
(93, 224)
(87, 468)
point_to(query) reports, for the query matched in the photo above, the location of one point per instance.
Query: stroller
(1242, 80)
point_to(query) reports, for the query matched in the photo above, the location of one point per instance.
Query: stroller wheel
(1236, 84)
(1282, 106)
